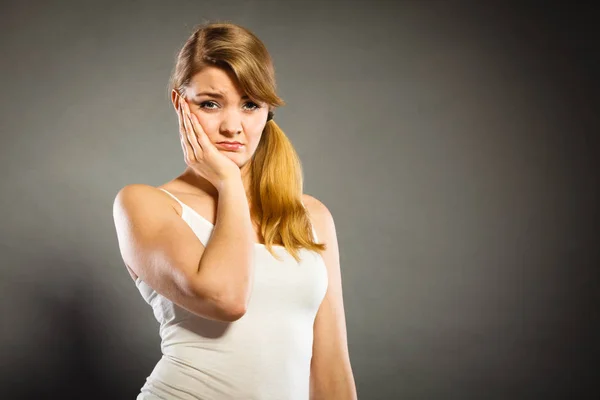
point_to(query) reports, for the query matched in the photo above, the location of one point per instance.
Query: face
(225, 113)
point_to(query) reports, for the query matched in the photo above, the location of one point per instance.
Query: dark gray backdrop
(454, 143)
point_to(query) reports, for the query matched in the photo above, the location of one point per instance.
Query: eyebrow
(217, 95)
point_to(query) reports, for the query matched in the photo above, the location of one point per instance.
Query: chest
(281, 282)
(287, 284)
(202, 209)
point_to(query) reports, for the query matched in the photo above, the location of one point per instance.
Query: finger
(191, 134)
(202, 137)
(199, 136)
(183, 137)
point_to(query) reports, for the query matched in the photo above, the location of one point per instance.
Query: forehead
(215, 79)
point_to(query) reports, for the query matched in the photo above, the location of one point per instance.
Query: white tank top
(264, 355)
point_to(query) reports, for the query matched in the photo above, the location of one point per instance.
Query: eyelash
(202, 105)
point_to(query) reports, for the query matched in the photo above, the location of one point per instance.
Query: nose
(231, 123)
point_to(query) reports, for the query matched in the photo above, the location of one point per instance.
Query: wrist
(230, 184)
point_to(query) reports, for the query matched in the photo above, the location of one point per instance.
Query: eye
(211, 105)
(204, 104)
(254, 105)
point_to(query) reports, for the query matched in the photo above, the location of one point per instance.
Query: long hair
(276, 180)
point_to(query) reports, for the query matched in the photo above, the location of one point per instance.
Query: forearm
(226, 267)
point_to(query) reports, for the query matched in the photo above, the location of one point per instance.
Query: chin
(239, 159)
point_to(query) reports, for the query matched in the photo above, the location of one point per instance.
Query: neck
(190, 177)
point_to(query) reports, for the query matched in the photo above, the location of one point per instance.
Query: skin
(227, 115)
(235, 118)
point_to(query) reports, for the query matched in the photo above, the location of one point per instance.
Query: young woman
(240, 267)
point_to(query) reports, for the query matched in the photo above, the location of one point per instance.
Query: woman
(240, 267)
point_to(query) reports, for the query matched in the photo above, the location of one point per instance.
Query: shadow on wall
(49, 338)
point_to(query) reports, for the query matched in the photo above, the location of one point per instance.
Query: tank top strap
(173, 196)
(203, 230)
(183, 206)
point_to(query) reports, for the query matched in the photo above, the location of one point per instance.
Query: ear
(175, 99)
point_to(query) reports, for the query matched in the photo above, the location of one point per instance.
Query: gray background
(454, 144)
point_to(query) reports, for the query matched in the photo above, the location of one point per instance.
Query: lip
(230, 145)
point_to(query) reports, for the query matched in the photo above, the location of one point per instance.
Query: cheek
(255, 135)
(253, 130)
(209, 125)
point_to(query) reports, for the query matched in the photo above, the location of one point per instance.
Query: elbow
(223, 308)
(222, 304)
(234, 312)
(231, 307)
(220, 311)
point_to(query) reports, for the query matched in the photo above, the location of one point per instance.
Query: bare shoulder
(132, 206)
(316, 207)
(321, 218)
(138, 194)
(137, 191)
(134, 194)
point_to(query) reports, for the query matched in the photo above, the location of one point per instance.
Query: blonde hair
(275, 170)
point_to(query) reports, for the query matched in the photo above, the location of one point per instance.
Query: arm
(228, 260)
(165, 253)
(331, 375)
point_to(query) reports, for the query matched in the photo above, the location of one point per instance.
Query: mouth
(231, 146)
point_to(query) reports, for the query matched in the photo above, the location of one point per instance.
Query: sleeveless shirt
(264, 355)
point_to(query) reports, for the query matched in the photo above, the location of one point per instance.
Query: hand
(200, 154)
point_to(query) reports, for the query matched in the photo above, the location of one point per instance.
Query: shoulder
(321, 218)
(139, 195)
(137, 192)
(314, 205)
